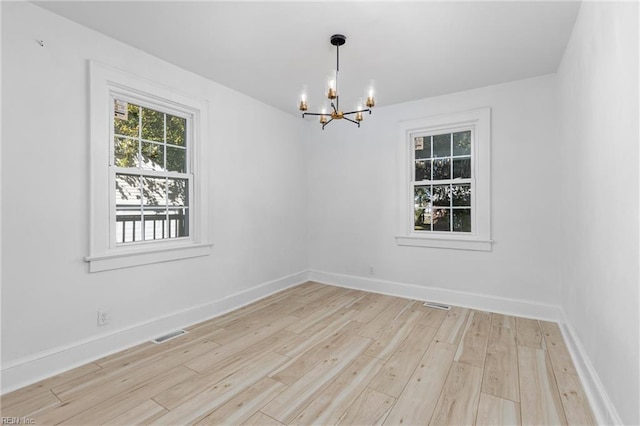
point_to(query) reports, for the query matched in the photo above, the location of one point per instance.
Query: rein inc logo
(17, 421)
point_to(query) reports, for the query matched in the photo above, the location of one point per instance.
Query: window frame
(107, 83)
(479, 122)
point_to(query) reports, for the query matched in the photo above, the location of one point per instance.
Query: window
(445, 186)
(148, 190)
(151, 159)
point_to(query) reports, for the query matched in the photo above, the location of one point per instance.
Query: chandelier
(332, 93)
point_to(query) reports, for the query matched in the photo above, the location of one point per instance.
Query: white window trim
(103, 255)
(480, 237)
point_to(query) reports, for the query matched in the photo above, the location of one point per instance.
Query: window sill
(126, 259)
(447, 243)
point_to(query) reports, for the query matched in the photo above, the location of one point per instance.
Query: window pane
(461, 168)
(176, 159)
(152, 156)
(462, 143)
(442, 145)
(128, 127)
(128, 226)
(178, 192)
(176, 130)
(462, 220)
(152, 125)
(441, 195)
(441, 219)
(422, 196)
(155, 224)
(422, 146)
(422, 219)
(178, 223)
(442, 169)
(461, 195)
(423, 170)
(154, 191)
(128, 190)
(125, 152)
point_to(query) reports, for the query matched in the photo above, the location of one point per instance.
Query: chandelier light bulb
(370, 99)
(331, 93)
(303, 102)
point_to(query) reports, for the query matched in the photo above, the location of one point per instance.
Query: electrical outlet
(104, 318)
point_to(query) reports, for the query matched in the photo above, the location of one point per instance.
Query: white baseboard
(483, 302)
(603, 409)
(31, 369)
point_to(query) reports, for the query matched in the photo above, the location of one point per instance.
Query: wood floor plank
(289, 403)
(251, 325)
(141, 414)
(142, 353)
(418, 399)
(540, 402)
(528, 333)
(396, 372)
(206, 360)
(245, 404)
(574, 401)
(105, 411)
(232, 366)
(317, 317)
(473, 344)
(100, 406)
(394, 335)
(198, 406)
(501, 367)
(505, 321)
(370, 408)
(297, 367)
(322, 294)
(261, 419)
(114, 380)
(495, 411)
(557, 348)
(329, 406)
(458, 402)
(38, 389)
(432, 317)
(452, 326)
(37, 402)
(381, 322)
(377, 303)
(317, 333)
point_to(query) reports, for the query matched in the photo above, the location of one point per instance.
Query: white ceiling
(271, 50)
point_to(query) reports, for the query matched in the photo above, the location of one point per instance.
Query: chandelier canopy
(332, 94)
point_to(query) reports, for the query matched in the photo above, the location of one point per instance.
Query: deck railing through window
(136, 227)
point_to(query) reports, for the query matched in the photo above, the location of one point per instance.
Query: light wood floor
(318, 354)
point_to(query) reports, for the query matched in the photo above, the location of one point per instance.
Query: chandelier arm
(353, 121)
(333, 106)
(312, 113)
(330, 120)
(357, 111)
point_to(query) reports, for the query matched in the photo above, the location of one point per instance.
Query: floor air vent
(437, 306)
(169, 336)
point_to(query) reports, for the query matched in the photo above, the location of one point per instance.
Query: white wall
(353, 203)
(257, 192)
(598, 116)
